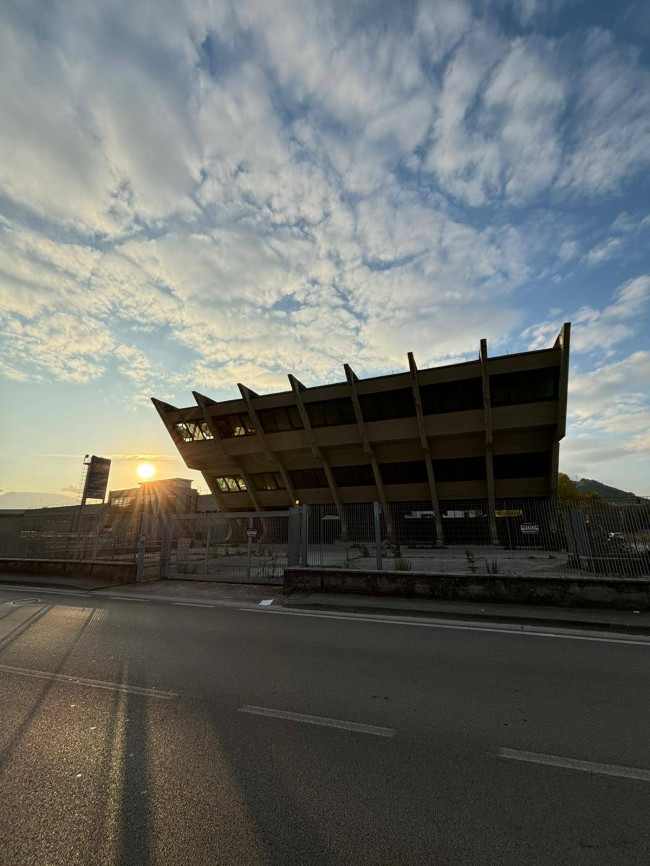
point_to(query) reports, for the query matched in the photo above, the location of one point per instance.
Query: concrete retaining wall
(115, 572)
(596, 592)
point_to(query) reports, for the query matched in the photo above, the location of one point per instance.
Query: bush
(402, 564)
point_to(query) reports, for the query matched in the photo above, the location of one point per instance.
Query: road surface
(140, 732)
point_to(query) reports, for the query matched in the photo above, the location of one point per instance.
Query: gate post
(140, 566)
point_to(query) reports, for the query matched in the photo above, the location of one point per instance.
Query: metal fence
(522, 537)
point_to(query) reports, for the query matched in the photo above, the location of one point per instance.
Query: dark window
(528, 386)
(460, 469)
(235, 425)
(452, 396)
(230, 483)
(280, 419)
(387, 405)
(411, 472)
(307, 478)
(534, 464)
(267, 481)
(354, 476)
(329, 413)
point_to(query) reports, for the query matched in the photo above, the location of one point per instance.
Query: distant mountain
(588, 485)
(34, 500)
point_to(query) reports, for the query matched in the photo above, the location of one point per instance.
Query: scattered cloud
(197, 194)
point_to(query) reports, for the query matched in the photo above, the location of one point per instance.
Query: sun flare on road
(146, 470)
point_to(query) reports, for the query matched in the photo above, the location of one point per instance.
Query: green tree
(567, 489)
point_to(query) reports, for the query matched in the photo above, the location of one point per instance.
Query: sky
(198, 193)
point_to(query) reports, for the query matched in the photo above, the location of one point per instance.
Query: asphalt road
(136, 732)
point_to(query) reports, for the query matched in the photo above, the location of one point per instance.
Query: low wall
(115, 572)
(613, 593)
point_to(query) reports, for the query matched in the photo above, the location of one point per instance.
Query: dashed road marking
(323, 721)
(575, 764)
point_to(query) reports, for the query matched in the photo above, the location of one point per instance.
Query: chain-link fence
(535, 537)
(523, 537)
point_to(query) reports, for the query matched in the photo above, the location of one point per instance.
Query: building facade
(483, 430)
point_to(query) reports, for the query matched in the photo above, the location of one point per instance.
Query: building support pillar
(317, 452)
(563, 343)
(367, 447)
(271, 456)
(426, 451)
(489, 441)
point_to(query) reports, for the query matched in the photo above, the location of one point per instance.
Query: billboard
(97, 478)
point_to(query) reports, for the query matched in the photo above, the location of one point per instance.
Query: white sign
(251, 533)
(530, 528)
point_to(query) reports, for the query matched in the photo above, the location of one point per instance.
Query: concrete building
(484, 430)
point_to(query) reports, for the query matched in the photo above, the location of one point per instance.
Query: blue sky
(198, 193)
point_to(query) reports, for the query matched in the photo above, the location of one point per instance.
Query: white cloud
(595, 330)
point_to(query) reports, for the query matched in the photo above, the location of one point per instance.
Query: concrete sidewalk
(238, 593)
(611, 620)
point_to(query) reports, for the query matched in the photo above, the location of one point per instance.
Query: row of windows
(329, 413)
(239, 424)
(189, 431)
(528, 465)
(452, 396)
(281, 419)
(231, 483)
(267, 481)
(505, 389)
(529, 386)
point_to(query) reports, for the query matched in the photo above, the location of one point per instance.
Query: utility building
(483, 430)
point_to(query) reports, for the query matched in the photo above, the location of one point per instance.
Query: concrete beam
(424, 443)
(489, 441)
(248, 395)
(352, 379)
(297, 387)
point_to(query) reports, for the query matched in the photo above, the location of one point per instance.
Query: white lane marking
(575, 764)
(39, 590)
(266, 601)
(526, 631)
(125, 597)
(93, 684)
(319, 720)
(190, 604)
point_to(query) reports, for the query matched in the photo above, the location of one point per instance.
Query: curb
(602, 625)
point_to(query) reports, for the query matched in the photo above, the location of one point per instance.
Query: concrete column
(367, 447)
(489, 465)
(424, 442)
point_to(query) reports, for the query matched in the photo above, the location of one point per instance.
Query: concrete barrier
(115, 572)
(612, 593)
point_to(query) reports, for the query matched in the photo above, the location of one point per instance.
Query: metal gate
(244, 547)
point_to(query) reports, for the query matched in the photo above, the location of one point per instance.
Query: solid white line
(319, 720)
(94, 684)
(38, 589)
(525, 630)
(190, 604)
(574, 764)
(124, 597)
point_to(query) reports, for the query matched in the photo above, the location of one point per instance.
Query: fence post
(376, 508)
(249, 547)
(141, 549)
(165, 541)
(208, 542)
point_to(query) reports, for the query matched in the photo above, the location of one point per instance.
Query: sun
(146, 470)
